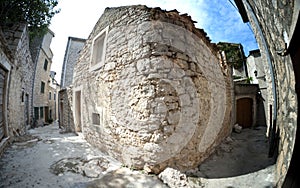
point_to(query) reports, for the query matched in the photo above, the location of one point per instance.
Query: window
(49, 95)
(23, 96)
(36, 113)
(42, 87)
(50, 114)
(54, 96)
(45, 64)
(41, 112)
(96, 118)
(98, 50)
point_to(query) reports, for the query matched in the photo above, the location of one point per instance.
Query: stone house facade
(66, 118)
(21, 81)
(73, 49)
(5, 69)
(276, 27)
(251, 92)
(257, 71)
(151, 90)
(54, 88)
(42, 56)
(74, 46)
(16, 81)
(239, 68)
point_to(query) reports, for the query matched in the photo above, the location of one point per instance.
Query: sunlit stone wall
(163, 95)
(272, 23)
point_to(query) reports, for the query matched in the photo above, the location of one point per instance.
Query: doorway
(46, 114)
(61, 114)
(27, 115)
(244, 115)
(77, 109)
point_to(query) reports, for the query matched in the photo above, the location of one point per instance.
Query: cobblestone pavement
(46, 158)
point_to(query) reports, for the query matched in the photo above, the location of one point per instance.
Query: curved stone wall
(162, 96)
(272, 23)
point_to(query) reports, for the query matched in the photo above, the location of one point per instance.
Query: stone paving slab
(46, 158)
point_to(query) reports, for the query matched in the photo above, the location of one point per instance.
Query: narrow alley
(46, 158)
(191, 94)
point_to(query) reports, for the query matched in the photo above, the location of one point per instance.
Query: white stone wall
(53, 105)
(5, 63)
(162, 97)
(66, 119)
(73, 49)
(255, 62)
(41, 99)
(270, 23)
(21, 77)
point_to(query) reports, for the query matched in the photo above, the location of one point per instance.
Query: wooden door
(244, 112)
(46, 114)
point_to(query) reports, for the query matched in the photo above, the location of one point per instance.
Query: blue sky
(220, 20)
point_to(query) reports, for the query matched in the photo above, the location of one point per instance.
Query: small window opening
(96, 119)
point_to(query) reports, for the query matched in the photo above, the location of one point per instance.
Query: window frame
(94, 64)
(46, 64)
(36, 113)
(43, 88)
(96, 119)
(41, 112)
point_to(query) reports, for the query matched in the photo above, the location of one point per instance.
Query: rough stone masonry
(161, 97)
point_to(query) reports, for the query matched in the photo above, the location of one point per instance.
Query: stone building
(42, 56)
(5, 69)
(151, 90)
(21, 79)
(54, 88)
(235, 56)
(276, 27)
(257, 71)
(73, 49)
(66, 118)
(16, 81)
(74, 46)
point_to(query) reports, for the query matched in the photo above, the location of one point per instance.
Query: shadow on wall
(66, 119)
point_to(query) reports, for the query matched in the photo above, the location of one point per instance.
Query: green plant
(36, 13)
(236, 77)
(234, 54)
(249, 80)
